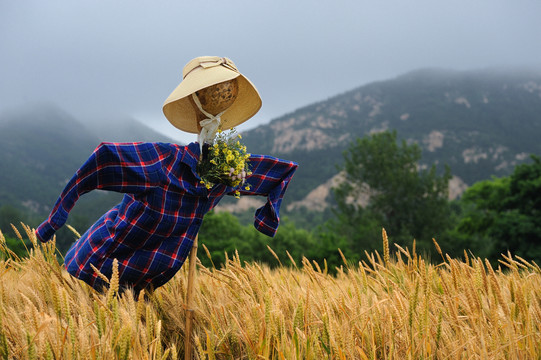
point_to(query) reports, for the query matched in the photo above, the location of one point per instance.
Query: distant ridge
(126, 129)
(41, 147)
(481, 123)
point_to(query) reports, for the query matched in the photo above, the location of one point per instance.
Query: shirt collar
(191, 155)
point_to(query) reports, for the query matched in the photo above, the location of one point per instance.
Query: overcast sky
(98, 59)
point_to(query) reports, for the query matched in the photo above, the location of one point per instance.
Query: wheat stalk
(397, 307)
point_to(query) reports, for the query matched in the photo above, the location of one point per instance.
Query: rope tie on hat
(219, 61)
(225, 62)
(209, 126)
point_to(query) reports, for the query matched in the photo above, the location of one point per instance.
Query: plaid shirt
(152, 230)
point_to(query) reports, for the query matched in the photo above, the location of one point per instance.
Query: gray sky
(100, 58)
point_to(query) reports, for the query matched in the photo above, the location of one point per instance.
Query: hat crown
(204, 72)
(208, 62)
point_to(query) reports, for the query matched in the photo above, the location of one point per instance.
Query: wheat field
(390, 306)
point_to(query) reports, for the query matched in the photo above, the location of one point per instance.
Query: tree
(222, 232)
(505, 213)
(9, 216)
(410, 203)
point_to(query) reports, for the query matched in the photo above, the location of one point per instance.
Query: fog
(100, 59)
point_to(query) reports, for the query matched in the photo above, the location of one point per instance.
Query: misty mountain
(125, 129)
(480, 123)
(41, 147)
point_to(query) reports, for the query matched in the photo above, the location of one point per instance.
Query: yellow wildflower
(227, 162)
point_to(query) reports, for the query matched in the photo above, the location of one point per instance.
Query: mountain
(125, 129)
(480, 123)
(41, 147)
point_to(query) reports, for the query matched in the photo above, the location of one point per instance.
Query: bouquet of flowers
(225, 162)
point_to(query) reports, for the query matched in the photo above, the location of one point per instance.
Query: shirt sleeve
(121, 167)
(270, 177)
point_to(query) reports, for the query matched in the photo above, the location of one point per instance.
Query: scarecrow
(168, 188)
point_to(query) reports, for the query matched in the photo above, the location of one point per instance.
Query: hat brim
(180, 112)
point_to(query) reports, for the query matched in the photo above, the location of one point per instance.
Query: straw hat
(203, 72)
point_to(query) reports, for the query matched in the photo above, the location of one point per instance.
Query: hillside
(480, 123)
(41, 147)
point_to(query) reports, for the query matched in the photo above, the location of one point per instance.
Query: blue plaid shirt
(152, 230)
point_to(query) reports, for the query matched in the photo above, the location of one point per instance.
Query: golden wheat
(401, 307)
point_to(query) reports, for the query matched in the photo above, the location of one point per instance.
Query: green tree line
(384, 187)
